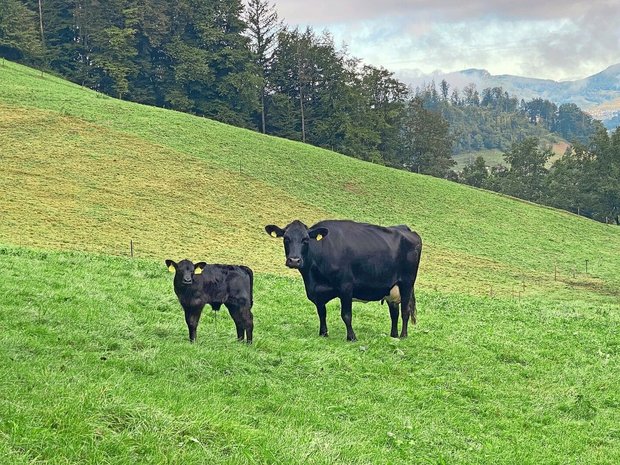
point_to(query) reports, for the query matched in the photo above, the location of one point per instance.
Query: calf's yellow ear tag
(197, 270)
(319, 237)
(274, 234)
(172, 269)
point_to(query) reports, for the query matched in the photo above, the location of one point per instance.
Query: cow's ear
(198, 267)
(318, 233)
(172, 266)
(274, 231)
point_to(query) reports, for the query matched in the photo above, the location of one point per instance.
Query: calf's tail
(251, 274)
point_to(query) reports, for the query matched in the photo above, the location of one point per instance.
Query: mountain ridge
(598, 94)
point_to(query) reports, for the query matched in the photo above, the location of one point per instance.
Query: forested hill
(494, 119)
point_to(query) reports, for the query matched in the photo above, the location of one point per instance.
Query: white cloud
(551, 39)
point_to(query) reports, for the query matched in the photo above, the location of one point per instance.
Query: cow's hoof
(351, 338)
(323, 334)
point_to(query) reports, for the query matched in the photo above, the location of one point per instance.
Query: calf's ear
(172, 266)
(274, 231)
(198, 267)
(318, 233)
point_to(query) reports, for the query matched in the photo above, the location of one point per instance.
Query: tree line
(493, 119)
(240, 64)
(221, 59)
(585, 180)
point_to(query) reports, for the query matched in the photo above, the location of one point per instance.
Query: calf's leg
(235, 314)
(192, 317)
(248, 322)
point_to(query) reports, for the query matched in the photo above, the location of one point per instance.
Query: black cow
(201, 284)
(350, 260)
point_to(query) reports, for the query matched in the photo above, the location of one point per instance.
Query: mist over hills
(598, 94)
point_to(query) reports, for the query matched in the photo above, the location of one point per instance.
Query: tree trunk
(303, 120)
(41, 21)
(262, 108)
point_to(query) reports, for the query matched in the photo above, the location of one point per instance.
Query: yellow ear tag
(172, 269)
(198, 271)
(319, 237)
(274, 234)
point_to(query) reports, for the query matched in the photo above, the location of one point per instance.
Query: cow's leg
(405, 293)
(394, 316)
(192, 317)
(235, 314)
(321, 310)
(346, 306)
(248, 323)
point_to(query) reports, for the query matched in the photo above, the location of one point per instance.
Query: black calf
(199, 284)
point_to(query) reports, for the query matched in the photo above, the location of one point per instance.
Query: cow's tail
(413, 309)
(251, 275)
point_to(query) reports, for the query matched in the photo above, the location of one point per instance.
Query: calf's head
(185, 271)
(297, 238)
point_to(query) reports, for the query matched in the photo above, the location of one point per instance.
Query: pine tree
(263, 29)
(19, 38)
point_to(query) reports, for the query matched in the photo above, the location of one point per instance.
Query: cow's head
(297, 237)
(185, 271)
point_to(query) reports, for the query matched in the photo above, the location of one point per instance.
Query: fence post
(586, 266)
(131, 247)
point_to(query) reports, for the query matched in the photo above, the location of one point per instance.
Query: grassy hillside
(87, 172)
(509, 363)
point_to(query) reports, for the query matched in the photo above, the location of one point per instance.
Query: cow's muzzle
(293, 262)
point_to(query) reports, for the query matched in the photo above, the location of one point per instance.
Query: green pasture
(514, 359)
(95, 368)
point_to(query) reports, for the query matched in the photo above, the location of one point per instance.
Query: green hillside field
(514, 360)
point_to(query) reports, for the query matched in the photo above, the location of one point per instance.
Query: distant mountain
(599, 94)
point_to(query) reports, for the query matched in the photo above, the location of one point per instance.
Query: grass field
(509, 363)
(95, 368)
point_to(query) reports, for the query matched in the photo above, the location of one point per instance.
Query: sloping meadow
(514, 360)
(88, 172)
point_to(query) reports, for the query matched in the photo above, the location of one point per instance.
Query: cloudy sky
(554, 39)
